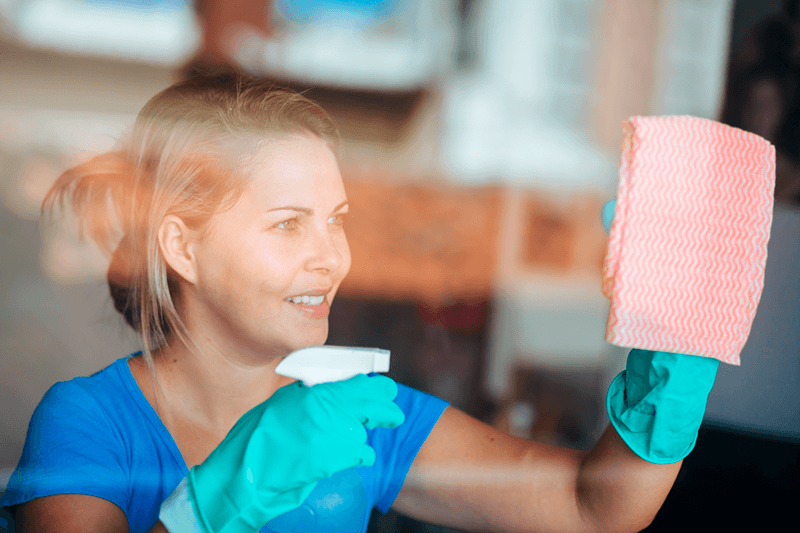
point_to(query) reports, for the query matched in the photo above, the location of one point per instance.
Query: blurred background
(481, 138)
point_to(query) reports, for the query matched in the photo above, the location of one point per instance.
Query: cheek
(347, 259)
(343, 247)
(239, 271)
(268, 271)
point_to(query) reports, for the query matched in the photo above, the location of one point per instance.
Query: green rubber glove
(657, 403)
(273, 457)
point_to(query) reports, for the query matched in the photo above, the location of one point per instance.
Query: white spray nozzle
(321, 364)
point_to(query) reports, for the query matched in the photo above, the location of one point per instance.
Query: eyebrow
(305, 210)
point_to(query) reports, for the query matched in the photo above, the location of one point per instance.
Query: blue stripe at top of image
(310, 11)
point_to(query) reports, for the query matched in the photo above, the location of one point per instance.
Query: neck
(207, 387)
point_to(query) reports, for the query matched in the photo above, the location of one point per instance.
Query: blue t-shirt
(99, 436)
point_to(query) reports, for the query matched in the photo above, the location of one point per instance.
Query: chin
(309, 340)
(322, 335)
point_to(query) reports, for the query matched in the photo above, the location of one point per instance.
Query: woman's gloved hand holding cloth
(273, 457)
(684, 271)
(657, 403)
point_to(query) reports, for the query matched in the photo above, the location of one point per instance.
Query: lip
(316, 292)
(320, 311)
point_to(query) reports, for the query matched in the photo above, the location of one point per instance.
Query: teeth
(306, 300)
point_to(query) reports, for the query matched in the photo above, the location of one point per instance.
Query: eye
(289, 225)
(339, 219)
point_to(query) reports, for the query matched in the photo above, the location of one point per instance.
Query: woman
(229, 204)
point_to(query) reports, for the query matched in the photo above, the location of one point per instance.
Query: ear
(176, 242)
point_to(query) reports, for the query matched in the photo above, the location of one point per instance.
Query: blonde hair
(189, 154)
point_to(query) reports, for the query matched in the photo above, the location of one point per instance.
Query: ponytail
(102, 194)
(97, 191)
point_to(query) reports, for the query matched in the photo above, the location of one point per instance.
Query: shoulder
(81, 412)
(419, 405)
(422, 412)
(84, 396)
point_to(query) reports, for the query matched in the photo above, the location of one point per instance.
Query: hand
(273, 457)
(657, 404)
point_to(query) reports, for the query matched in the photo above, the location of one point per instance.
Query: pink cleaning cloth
(688, 245)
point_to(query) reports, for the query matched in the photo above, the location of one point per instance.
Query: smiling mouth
(312, 301)
(315, 306)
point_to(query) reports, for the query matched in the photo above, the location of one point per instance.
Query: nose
(329, 250)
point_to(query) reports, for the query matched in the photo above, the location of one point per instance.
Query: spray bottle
(322, 364)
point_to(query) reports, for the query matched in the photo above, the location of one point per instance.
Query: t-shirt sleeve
(396, 448)
(71, 448)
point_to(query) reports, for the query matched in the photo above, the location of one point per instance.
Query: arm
(471, 476)
(68, 513)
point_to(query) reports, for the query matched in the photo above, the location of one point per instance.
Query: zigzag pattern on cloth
(687, 249)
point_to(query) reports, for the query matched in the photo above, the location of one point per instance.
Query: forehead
(296, 167)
